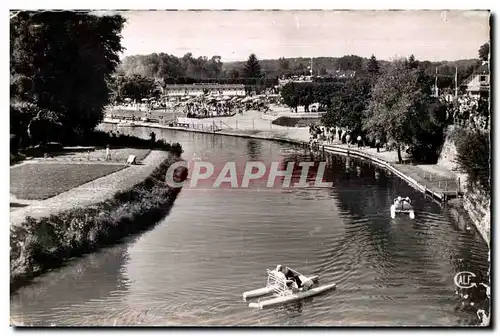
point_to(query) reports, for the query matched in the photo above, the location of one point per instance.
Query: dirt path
(89, 193)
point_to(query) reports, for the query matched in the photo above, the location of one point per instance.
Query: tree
(252, 71)
(428, 129)
(348, 105)
(290, 96)
(350, 62)
(45, 126)
(305, 95)
(474, 157)
(372, 66)
(215, 66)
(391, 110)
(484, 52)
(284, 65)
(63, 62)
(32, 125)
(138, 87)
(411, 62)
(234, 75)
(402, 109)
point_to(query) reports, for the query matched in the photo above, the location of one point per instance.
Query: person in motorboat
(406, 203)
(398, 202)
(402, 203)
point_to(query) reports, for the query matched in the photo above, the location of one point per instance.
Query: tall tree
(402, 109)
(64, 61)
(349, 104)
(484, 52)
(391, 110)
(284, 65)
(290, 95)
(411, 62)
(252, 71)
(234, 74)
(372, 66)
(138, 87)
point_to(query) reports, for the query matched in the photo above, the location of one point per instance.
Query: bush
(474, 157)
(295, 122)
(38, 245)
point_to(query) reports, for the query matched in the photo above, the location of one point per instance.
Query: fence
(242, 125)
(439, 183)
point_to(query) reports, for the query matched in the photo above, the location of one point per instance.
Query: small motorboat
(402, 205)
(279, 290)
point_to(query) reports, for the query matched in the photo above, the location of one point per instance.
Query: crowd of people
(343, 134)
(467, 111)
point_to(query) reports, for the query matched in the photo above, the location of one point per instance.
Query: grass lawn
(39, 181)
(117, 155)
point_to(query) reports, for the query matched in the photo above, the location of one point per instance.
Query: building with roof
(478, 84)
(194, 90)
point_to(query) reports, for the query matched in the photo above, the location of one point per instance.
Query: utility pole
(455, 77)
(311, 66)
(436, 83)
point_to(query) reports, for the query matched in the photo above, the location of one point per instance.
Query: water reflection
(73, 286)
(254, 148)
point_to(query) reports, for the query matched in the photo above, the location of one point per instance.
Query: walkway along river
(192, 268)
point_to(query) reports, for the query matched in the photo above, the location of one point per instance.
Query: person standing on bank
(359, 141)
(377, 144)
(152, 139)
(108, 153)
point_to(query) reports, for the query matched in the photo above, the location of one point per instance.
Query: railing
(277, 283)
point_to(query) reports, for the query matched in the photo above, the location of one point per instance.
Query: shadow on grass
(17, 205)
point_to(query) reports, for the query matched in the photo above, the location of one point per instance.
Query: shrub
(295, 122)
(473, 157)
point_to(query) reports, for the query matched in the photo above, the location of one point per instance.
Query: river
(192, 268)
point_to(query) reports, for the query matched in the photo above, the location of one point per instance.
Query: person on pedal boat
(289, 275)
(407, 203)
(398, 202)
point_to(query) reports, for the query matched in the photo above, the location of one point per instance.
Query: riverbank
(438, 182)
(96, 214)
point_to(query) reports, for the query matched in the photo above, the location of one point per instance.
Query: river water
(192, 268)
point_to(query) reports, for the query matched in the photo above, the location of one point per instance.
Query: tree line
(202, 69)
(395, 103)
(130, 84)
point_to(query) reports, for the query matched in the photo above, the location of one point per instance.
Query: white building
(193, 90)
(478, 84)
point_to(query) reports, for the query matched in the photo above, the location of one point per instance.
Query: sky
(234, 35)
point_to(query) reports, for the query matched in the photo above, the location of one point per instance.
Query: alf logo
(464, 280)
